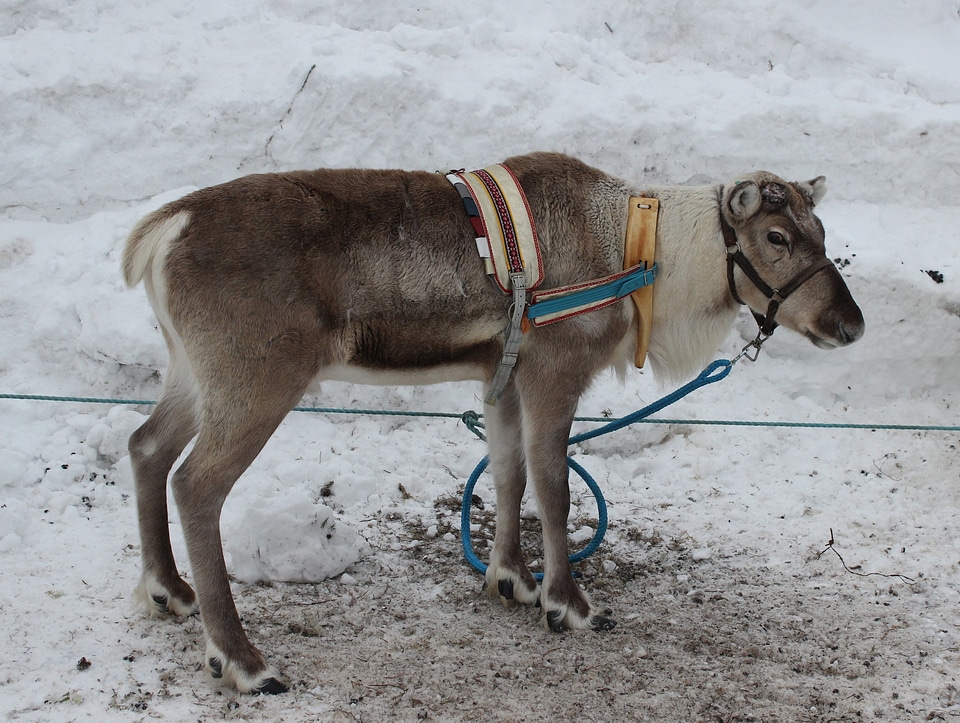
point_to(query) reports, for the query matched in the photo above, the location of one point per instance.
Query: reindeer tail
(150, 240)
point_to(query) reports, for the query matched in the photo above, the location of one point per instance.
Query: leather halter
(776, 297)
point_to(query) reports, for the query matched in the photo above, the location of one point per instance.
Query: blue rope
(715, 372)
(465, 534)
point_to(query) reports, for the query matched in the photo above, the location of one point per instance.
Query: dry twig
(856, 570)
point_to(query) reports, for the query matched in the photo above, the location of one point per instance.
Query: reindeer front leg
(548, 412)
(508, 577)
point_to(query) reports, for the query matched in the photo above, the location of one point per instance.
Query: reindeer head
(783, 241)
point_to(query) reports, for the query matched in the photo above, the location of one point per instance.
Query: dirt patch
(721, 639)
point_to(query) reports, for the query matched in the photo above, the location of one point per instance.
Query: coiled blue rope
(715, 372)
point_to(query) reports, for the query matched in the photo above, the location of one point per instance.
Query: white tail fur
(148, 241)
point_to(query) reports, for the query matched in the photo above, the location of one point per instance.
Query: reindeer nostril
(849, 333)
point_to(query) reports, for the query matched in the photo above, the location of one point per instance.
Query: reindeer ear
(815, 189)
(744, 200)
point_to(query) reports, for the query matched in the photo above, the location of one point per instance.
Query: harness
(507, 242)
(766, 323)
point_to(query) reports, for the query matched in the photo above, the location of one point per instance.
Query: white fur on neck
(692, 309)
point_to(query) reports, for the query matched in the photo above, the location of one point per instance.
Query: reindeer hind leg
(251, 399)
(154, 448)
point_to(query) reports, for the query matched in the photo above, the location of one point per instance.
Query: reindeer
(270, 283)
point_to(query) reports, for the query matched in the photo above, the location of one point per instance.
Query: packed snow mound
(290, 538)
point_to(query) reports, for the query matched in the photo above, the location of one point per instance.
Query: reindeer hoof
(561, 618)
(162, 601)
(505, 588)
(271, 686)
(601, 623)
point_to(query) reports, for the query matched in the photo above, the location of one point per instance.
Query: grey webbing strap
(512, 338)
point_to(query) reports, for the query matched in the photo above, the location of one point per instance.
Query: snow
(109, 109)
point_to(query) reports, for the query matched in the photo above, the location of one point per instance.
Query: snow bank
(97, 117)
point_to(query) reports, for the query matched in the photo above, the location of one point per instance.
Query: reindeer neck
(693, 311)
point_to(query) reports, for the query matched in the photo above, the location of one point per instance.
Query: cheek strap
(767, 323)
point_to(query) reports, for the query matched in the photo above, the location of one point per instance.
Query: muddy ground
(411, 638)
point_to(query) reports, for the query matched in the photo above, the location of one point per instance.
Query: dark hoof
(161, 602)
(555, 621)
(505, 587)
(601, 623)
(271, 686)
(216, 668)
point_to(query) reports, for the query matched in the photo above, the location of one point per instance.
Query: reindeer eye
(776, 238)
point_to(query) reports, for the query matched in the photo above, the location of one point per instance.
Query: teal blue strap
(595, 296)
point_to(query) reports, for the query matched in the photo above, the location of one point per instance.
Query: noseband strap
(776, 297)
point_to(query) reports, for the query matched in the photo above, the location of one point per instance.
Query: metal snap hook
(755, 345)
